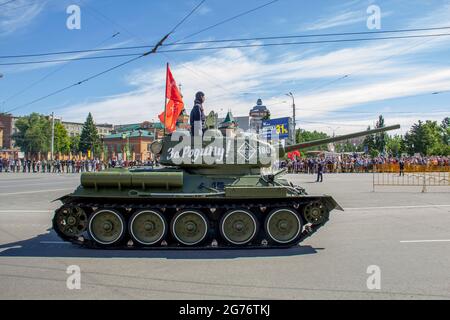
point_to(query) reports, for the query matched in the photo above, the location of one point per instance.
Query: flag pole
(165, 102)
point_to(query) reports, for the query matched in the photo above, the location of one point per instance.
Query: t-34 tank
(213, 194)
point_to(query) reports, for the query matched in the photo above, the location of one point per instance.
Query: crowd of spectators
(64, 166)
(358, 163)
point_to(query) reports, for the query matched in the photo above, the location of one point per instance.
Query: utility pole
(3, 102)
(290, 94)
(53, 134)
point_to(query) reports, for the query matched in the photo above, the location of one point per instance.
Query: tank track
(128, 209)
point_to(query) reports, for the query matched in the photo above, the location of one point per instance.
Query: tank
(216, 192)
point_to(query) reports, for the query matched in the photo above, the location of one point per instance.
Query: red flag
(174, 105)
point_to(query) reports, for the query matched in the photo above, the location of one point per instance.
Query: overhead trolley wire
(153, 51)
(227, 47)
(228, 41)
(49, 75)
(5, 3)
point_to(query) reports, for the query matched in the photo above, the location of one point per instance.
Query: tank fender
(331, 203)
(63, 199)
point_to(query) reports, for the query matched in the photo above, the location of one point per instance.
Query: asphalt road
(400, 230)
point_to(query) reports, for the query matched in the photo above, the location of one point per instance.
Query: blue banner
(276, 126)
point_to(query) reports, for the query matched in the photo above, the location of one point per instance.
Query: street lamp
(334, 130)
(290, 94)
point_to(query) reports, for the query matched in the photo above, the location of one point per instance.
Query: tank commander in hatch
(197, 117)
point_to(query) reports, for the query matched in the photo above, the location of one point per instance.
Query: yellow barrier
(410, 168)
(412, 175)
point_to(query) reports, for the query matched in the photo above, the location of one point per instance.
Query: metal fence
(411, 176)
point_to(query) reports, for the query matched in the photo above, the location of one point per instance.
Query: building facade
(229, 125)
(1, 136)
(128, 145)
(257, 114)
(7, 128)
(75, 128)
(154, 128)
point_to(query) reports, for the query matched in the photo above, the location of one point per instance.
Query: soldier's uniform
(197, 117)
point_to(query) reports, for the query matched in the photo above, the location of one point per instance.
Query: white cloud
(344, 126)
(233, 79)
(19, 14)
(70, 57)
(340, 19)
(224, 91)
(344, 14)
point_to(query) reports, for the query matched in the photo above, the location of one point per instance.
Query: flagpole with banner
(174, 104)
(165, 100)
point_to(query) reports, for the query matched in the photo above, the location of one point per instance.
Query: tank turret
(241, 154)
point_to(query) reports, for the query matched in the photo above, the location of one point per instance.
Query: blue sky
(395, 77)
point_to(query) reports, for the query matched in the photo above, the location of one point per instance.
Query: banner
(276, 126)
(174, 105)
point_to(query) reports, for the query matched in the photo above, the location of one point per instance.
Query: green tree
(89, 139)
(34, 134)
(62, 140)
(380, 138)
(446, 130)
(304, 136)
(369, 144)
(349, 147)
(426, 139)
(75, 144)
(395, 145)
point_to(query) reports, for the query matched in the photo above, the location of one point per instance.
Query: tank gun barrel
(336, 139)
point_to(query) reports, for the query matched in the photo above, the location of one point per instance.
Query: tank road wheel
(283, 226)
(316, 213)
(189, 227)
(106, 227)
(70, 221)
(148, 227)
(238, 227)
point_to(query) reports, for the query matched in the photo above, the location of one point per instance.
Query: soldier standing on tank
(197, 118)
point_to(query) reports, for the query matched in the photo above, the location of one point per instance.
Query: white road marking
(26, 211)
(54, 242)
(51, 183)
(31, 192)
(400, 207)
(424, 241)
(9, 248)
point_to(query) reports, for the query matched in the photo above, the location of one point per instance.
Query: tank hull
(189, 212)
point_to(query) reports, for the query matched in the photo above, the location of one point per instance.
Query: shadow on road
(43, 246)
